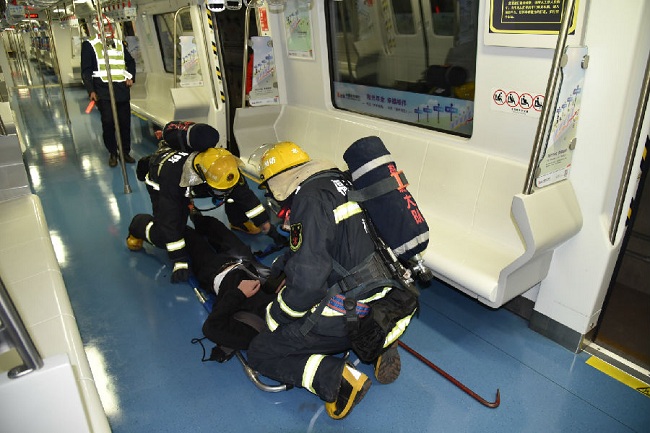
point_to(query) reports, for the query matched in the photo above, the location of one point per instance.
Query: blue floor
(137, 327)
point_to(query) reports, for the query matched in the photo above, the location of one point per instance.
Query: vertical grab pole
(111, 91)
(631, 150)
(55, 64)
(551, 86)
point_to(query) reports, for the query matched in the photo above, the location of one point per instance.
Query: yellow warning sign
(620, 375)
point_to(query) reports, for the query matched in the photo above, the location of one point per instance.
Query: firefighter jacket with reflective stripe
(93, 69)
(324, 227)
(247, 203)
(169, 200)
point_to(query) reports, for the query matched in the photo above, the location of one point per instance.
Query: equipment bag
(386, 322)
(190, 136)
(381, 191)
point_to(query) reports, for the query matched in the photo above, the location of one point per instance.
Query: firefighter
(326, 232)
(173, 178)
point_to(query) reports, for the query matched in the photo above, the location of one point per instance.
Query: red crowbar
(450, 378)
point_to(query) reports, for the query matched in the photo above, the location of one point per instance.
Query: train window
(187, 66)
(443, 17)
(403, 17)
(411, 61)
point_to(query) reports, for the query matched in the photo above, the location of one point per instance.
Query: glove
(181, 272)
(142, 168)
(278, 239)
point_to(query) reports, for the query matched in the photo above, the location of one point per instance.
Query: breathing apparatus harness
(380, 269)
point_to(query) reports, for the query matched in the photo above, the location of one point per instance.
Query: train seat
(254, 127)
(154, 98)
(155, 103)
(32, 277)
(13, 177)
(486, 238)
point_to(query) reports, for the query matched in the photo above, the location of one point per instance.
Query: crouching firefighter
(338, 295)
(173, 178)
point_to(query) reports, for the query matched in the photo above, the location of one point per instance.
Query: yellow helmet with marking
(218, 167)
(279, 158)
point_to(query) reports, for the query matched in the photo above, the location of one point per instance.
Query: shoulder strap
(395, 181)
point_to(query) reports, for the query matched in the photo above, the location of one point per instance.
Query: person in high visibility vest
(95, 79)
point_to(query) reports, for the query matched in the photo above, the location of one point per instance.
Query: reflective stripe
(177, 245)
(398, 330)
(270, 323)
(346, 210)
(115, 60)
(180, 265)
(310, 372)
(147, 230)
(255, 211)
(285, 308)
(329, 312)
(371, 165)
(377, 295)
(151, 183)
(409, 245)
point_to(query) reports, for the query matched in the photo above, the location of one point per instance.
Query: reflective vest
(115, 58)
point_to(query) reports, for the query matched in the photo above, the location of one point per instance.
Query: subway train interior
(521, 126)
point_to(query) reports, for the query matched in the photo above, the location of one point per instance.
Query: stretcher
(207, 300)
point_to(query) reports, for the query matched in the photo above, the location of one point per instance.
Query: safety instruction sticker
(526, 103)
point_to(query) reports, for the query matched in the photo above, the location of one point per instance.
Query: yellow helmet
(281, 157)
(218, 167)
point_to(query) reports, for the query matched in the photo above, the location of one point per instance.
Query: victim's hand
(249, 287)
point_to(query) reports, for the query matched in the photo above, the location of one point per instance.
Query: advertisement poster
(297, 26)
(190, 66)
(438, 112)
(555, 163)
(264, 89)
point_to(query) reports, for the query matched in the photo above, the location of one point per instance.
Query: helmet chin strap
(217, 200)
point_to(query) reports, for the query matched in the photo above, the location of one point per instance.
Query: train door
(230, 27)
(624, 324)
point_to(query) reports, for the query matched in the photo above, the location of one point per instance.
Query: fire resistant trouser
(287, 356)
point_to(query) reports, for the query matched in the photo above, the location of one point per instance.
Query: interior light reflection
(105, 386)
(35, 175)
(59, 247)
(53, 152)
(86, 165)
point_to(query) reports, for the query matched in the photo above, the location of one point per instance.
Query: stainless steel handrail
(55, 65)
(631, 151)
(175, 36)
(14, 333)
(551, 87)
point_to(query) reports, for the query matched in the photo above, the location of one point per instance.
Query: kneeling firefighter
(335, 285)
(173, 178)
